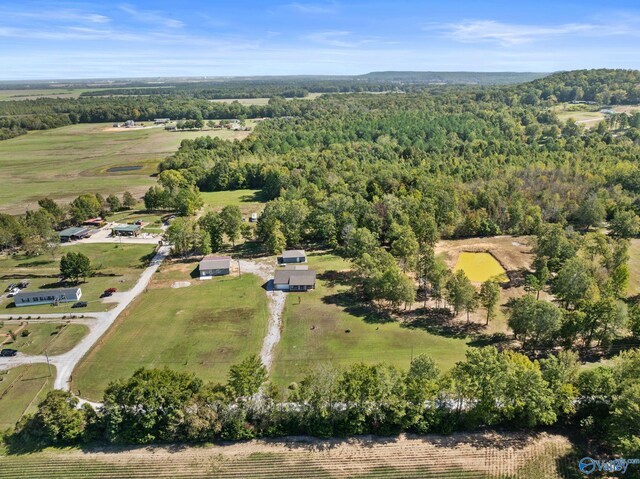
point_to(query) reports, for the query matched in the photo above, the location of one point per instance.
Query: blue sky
(47, 39)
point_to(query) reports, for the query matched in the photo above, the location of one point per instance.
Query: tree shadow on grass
(334, 278)
(349, 303)
(440, 322)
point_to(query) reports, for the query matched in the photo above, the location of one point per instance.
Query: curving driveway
(98, 324)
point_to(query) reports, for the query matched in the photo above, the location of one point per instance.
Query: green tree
(625, 224)
(188, 201)
(149, 406)
(533, 320)
(114, 203)
(574, 282)
(489, 297)
(211, 222)
(128, 201)
(358, 241)
(58, 421)
(231, 217)
(75, 265)
(85, 207)
(405, 246)
(183, 236)
(460, 293)
(246, 378)
(53, 209)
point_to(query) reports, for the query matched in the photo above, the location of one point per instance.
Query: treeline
(489, 388)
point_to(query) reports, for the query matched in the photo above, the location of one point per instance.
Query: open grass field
(324, 326)
(65, 162)
(21, 389)
(52, 338)
(249, 201)
(203, 328)
(460, 456)
(117, 265)
(479, 267)
(6, 95)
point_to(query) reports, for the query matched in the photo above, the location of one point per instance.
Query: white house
(47, 296)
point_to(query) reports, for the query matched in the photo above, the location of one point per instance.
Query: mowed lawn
(63, 163)
(318, 329)
(249, 201)
(203, 328)
(21, 390)
(117, 266)
(50, 337)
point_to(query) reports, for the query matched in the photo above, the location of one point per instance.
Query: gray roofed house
(293, 256)
(73, 233)
(294, 280)
(212, 265)
(47, 296)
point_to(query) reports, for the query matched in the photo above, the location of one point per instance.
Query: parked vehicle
(10, 287)
(8, 352)
(79, 304)
(106, 294)
(13, 292)
(23, 284)
(111, 290)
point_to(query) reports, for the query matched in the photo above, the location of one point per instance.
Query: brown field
(512, 252)
(485, 455)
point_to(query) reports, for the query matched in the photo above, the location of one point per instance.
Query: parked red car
(111, 290)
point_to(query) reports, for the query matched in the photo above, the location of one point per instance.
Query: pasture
(50, 337)
(117, 265)
(65, 162)
(325, 326)
(203, 328)
(21, 390)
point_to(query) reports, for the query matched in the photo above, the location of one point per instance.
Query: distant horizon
(275, 76)
(61, 39)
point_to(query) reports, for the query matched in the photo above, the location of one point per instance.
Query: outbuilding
(294, 280)
(212, 265)
(47, 296)
(73, 233)
(293, 256)
(125, 230)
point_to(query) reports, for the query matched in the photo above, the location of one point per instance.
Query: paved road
(66, 363)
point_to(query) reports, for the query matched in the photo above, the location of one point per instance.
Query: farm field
(203, 328)
(65, 162)
(460, 456)
(21, 389)
(249, 201)
(7, 95)
(52, 338)
(324, 327)
(117, 265)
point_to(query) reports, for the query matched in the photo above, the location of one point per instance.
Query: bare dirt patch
(181, 284)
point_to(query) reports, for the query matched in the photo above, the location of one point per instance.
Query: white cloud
(314, 8)
(65, 16)
(154, 17)
(508, 34)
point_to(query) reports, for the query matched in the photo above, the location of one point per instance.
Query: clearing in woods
(63, 163)
(486, 455)
(204, 328)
